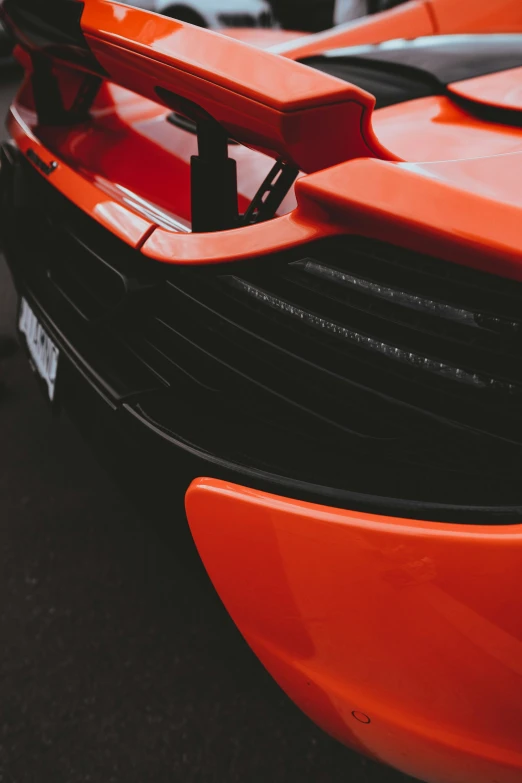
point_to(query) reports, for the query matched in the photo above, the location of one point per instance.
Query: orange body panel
(411, 20)
(206, 55)
(401, 638)
(435, 128)
(470, 16)
(407, 21)
(275, 106)
(465, 211)
(503, 90)
(261, 37)
(286, 232)
(469, 209)
(112, 213)
(85, 181)
(396, 202)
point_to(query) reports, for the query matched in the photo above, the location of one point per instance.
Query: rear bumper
(416, 625)
(401, 638)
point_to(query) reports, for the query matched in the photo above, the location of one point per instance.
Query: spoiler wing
(284, 109)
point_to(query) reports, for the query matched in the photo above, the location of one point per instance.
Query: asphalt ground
(117, 665)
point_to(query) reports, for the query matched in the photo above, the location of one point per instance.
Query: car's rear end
(331, 359)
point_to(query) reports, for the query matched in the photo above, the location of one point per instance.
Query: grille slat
(402, 298)
(356, 373)
(395, 351)
(256, 364)
(352, 365)
(435, 337)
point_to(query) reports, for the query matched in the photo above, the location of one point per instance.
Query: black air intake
(354, 373)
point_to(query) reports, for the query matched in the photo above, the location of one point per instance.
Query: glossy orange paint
(94, 172)
(296, 229)
(416, 625)
(401, 638)
(465, 211)
(112, 213)
(262, 37)
(274, 105)
(127, 127)
(503, 89)
(468, 210)
(436, 128)
(470, 16)
(411, 20)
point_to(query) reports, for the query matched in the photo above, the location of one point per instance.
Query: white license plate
(43, 351)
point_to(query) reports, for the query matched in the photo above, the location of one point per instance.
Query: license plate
(43, 352)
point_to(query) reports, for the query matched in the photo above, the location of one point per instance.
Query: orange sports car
(289, 288)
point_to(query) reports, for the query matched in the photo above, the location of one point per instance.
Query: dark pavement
(115, 663)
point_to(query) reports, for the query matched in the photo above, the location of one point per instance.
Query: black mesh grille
(366, 375)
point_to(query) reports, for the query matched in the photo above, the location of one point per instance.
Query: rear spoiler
(302, 117)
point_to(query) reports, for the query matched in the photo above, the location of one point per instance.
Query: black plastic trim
(404, 70)
(180, 426)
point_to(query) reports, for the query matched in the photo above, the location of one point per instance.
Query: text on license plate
(43, 351)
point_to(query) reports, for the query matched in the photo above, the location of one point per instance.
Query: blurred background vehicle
(304, 15)
(315, 15)
(213, 13)
(347, 10)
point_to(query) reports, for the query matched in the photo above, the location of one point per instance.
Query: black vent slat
(252, 360)
(178, 354)
(361, 371)
(400, 382)
(457, 285)
(448, 282)
(400, 327)
(363, 377)
(436, 311)
(393, 320)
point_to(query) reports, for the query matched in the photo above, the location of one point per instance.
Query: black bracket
(214, 174)
(270, 195)
(48, 98)
(213, 180)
